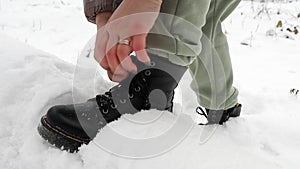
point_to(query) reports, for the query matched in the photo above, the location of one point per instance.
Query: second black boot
(69, 126)
(219, 116)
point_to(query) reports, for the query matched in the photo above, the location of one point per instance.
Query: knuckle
(138, 46)
(111, 53)
(109, 76)
(119, 71)
(112, 77)
(103, 65)
(96, 58)
(122, 53)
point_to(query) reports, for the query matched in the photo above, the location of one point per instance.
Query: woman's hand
(132, 21)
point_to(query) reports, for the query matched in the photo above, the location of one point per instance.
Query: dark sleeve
(93, 7)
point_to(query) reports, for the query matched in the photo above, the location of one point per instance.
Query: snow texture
(266, 67)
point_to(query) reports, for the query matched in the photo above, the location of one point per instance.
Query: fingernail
(133, 72)
(147, 63)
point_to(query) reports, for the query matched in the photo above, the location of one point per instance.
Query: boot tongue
(217, 116)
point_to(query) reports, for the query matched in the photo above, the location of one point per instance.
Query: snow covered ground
(55, 26)
(34, 78)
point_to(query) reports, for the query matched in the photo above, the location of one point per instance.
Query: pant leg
(188, 33)
(177, 31)
(212, 70)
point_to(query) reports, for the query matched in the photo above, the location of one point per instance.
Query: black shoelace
(122, 96)
(201, 112)
(105, 102)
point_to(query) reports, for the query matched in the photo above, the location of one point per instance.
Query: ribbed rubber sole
(58, 138)
(236, 111)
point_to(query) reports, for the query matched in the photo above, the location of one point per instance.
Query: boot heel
(236, 111)
(55, 138)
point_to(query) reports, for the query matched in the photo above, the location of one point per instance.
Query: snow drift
(265, 136)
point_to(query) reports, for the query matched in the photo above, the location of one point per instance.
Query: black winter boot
(219, 116)
(69, 126)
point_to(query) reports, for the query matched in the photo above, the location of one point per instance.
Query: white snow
(265, 136)
(55, 26)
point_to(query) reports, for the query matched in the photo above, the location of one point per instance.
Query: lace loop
(104, 101)
(202, 113)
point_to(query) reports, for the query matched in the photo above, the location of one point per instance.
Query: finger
(139, 42)
(142, 56)
(114, 63)
(104, 64)
(112, 58)
(111, 53)
(116, 78)
(100, 47)
(139, 45)
(123, 52)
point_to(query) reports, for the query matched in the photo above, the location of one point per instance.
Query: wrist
(102, 18)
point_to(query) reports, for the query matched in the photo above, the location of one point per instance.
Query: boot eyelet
(137, 89)
(123, 101)
(105, 111)
(113, 106)
(152, 63)
(147, 72)
(131, 96)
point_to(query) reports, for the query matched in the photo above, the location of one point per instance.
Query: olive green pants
(189, 33)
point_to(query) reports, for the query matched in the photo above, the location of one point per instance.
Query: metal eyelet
(105, 111)
(152, 63)
(131, 96)
(137, 89)
(119, 86)
(147, 72)
(113, 106)
(123, 101)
